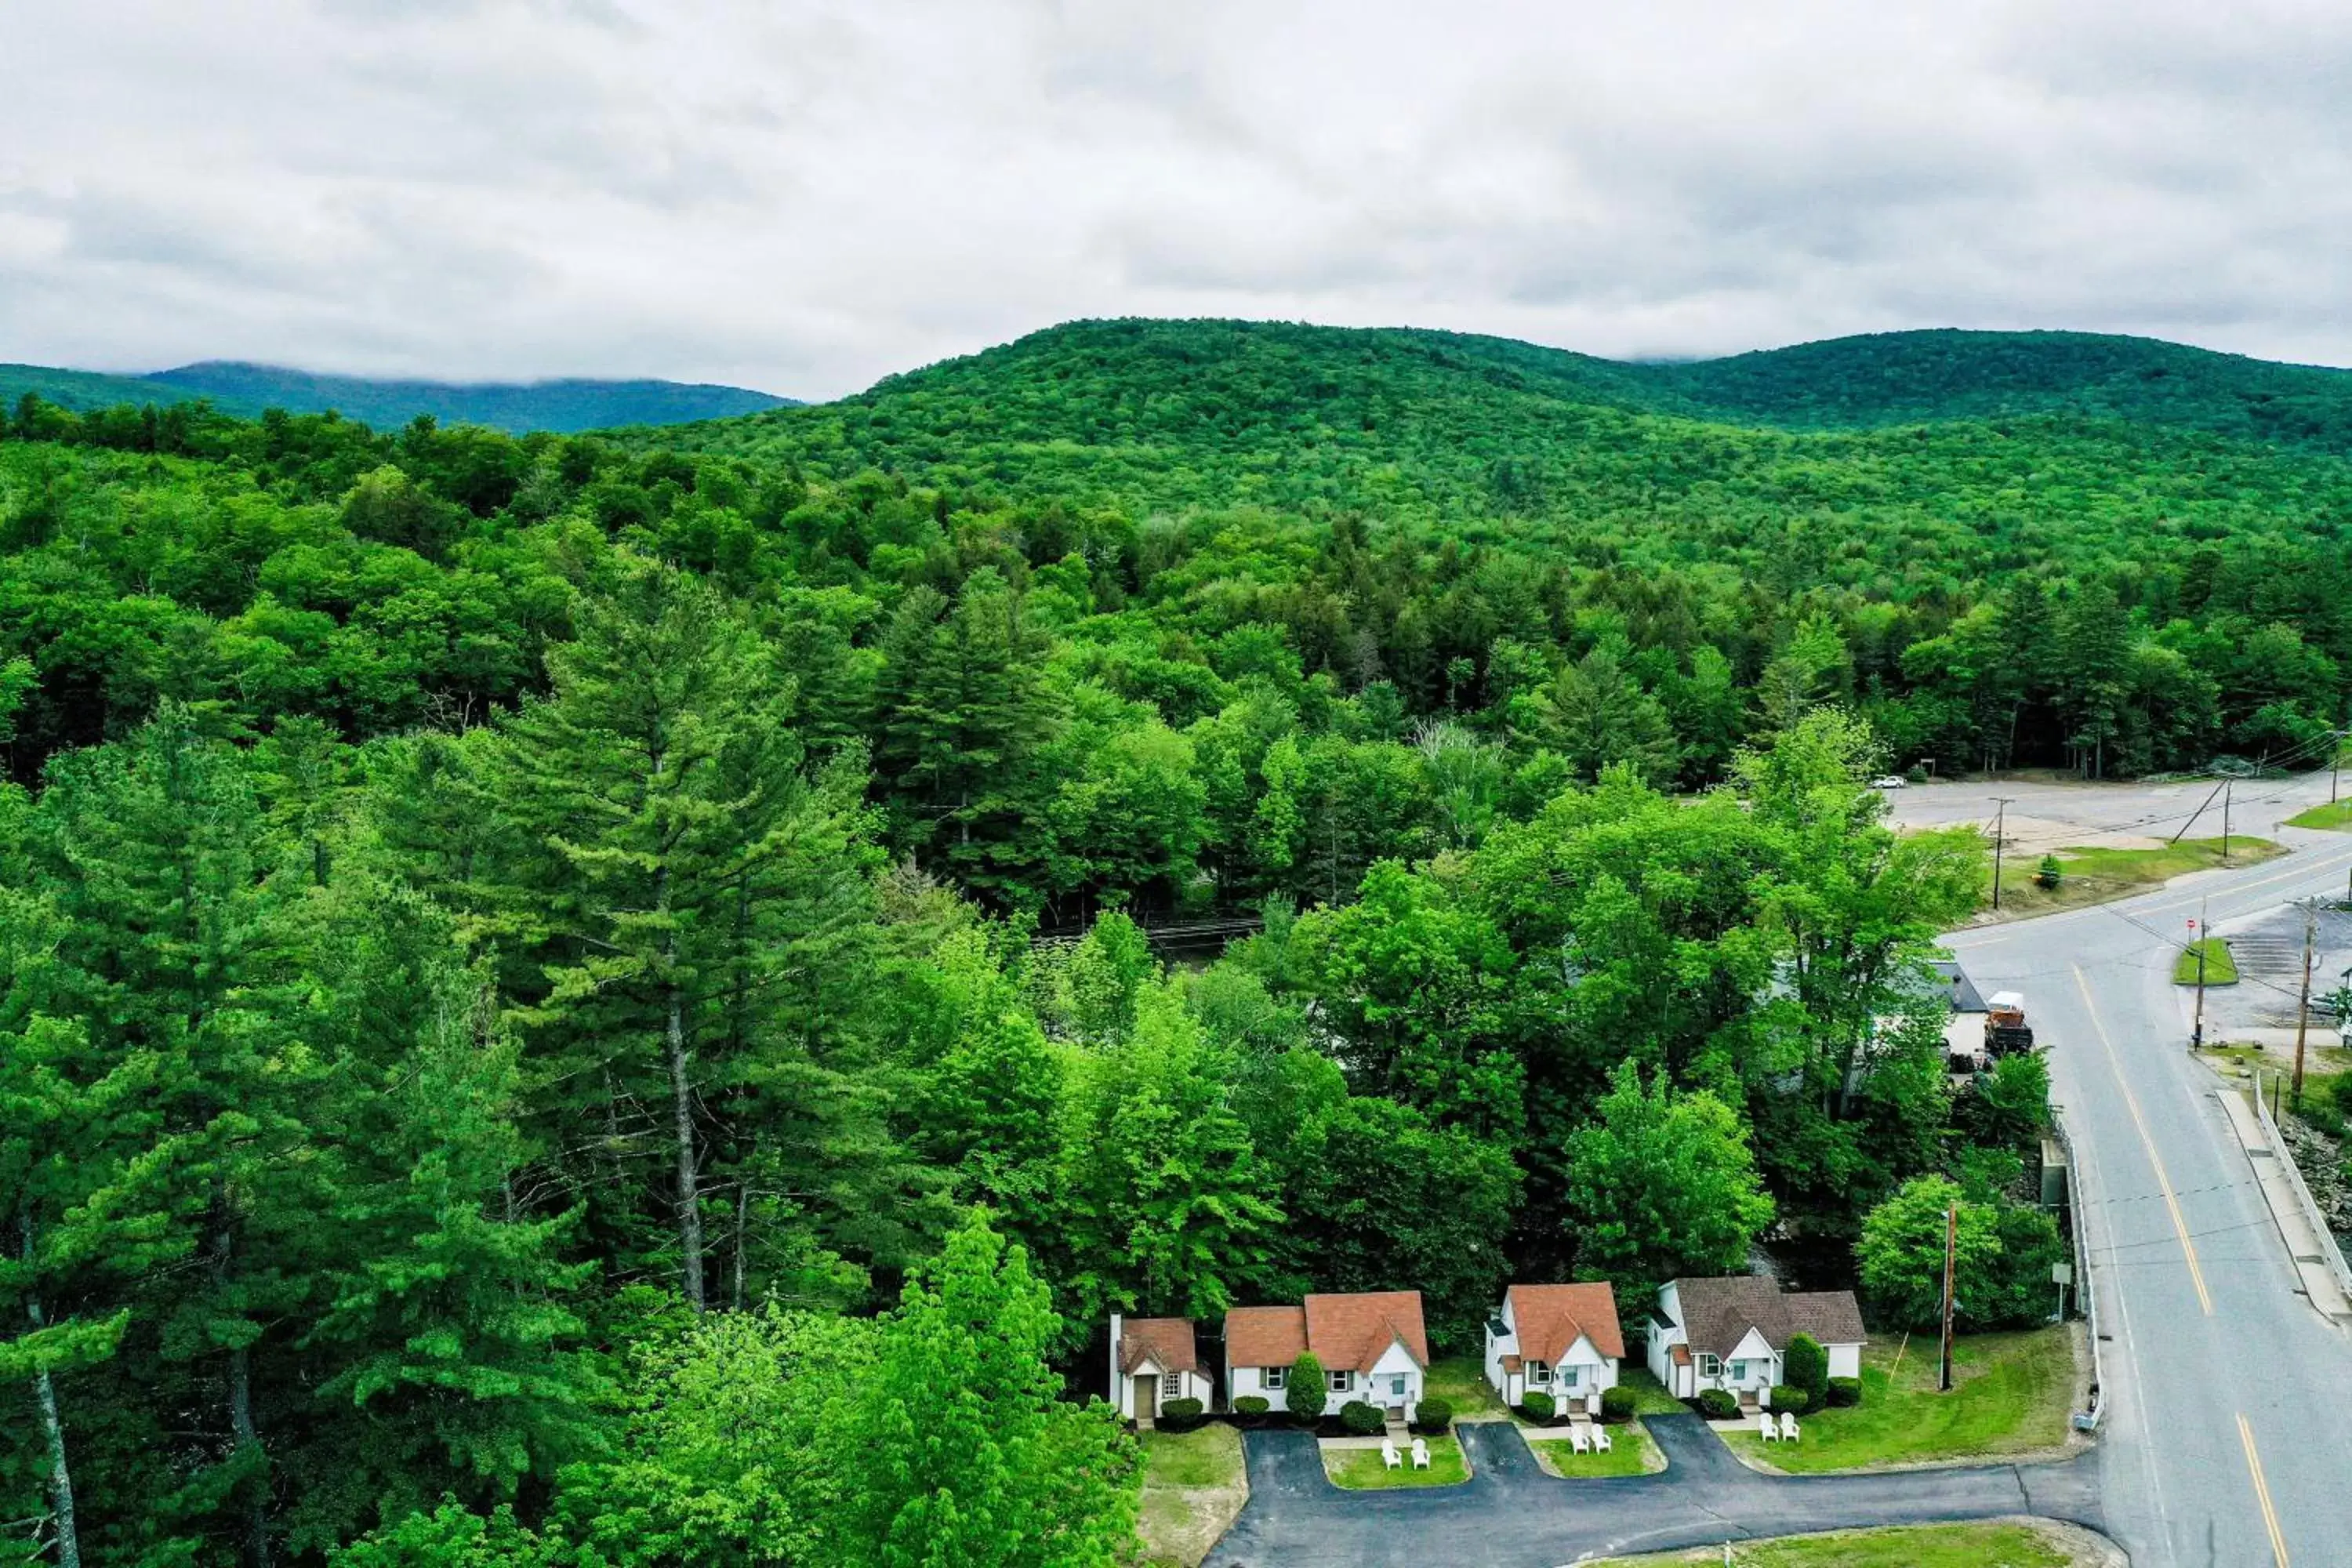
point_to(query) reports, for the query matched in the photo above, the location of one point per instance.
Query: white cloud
(806, 197)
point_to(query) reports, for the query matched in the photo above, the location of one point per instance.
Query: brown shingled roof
(1355, 1331)
(1547, 1318)
(1165, 1340)
(1264, 1336)
(1717, 1313)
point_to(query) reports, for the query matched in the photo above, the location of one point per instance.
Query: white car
(1892, 781)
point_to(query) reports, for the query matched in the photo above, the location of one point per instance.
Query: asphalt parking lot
(1510, 1514)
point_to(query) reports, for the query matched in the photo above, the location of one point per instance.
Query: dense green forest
(590, 999)
(250, 390)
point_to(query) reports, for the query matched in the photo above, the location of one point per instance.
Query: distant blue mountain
(248, 389)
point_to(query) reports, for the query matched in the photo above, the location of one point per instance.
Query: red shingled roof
(1549, 1319)
(1356, 1330)
(1352, 1332)
(1264, 1336)
(1168, 1341)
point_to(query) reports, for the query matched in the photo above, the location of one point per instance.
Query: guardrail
(2086, 1289)
(2331, 1251)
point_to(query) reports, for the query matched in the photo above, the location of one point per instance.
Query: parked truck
(2006, 1032)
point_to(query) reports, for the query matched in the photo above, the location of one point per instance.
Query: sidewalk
(2305, 1246)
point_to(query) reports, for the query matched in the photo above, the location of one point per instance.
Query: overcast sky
(803, 197)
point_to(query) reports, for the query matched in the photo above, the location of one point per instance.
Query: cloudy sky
(803, 196)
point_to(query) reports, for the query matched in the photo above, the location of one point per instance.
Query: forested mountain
(566, 973)
(515, 406)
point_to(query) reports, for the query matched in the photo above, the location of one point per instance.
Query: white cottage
(1372, 1345)
(1559, 1341)
(1153, 1361)
(1732, 1332)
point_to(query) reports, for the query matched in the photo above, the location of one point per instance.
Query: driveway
(1510, 1514)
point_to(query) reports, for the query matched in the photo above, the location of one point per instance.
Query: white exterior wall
(1380, 1386)
(1191, 1385)
(1500, 1347)
(1246, 1380)
(1661, 1342)
(1845, 1361)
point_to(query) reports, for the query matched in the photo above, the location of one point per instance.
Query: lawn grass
(2001, 1545)
(1631, 1453)
(1460, 1381)
(1360, 1469)
(2220, 964)
(1211, 1456)
(2011, 1394)
(1650, 1395)
(1193, 1487)
(2336, 817)
(2092, 875)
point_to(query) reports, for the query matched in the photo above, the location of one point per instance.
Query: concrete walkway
(2305, 1245)
(1511, 1514)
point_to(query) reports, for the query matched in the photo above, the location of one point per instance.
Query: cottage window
(1568, 1377)
(1342, 1380)
(1739, 1372)
(1272, 1376)
(1538, 1373)
(1171, 1386)
(1710, 1366)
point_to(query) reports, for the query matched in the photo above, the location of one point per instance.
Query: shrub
(1845, 1391)
(1251, 1408)
(1361, 1418)
(1306, 1392)
(1181, 1414)
(1788, 1396)
(1808, 1366)
(1616, 1405)
(1537, 1407)
(1717, 1404)
(2049, 874)
(1433, 1414)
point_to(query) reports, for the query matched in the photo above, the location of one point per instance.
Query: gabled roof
(1351, 1331)
(1356, 1330)
(1264, 1336)
(1720, 1312)
(1167, 1342)
(1551, 1318)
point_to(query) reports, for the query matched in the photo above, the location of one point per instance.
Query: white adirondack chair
(1771, 1433)
(1389, 1458)
(1601, 1438)
(1787, 1428)
(1579, 1441)
(1419, 1454)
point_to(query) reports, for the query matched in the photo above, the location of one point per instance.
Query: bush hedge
(1433, 1416)
(1181, 1416)
(1306, 1392)
(1537, 1407)
(1616, 1405)
(1361, 1418)
(1788, 1398)
(1845, 1392)
(1251, 1408)
(1717, 1404)
(1807, 1365)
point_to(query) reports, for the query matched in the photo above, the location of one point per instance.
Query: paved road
(2046, 816)
(2231, 1400)
(1510, 1514)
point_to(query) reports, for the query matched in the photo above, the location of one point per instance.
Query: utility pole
(1999, 819)
(2197, 1039)
(1951, 1257)
(2302, 1007)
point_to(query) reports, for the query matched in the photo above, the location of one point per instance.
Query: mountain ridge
(562, 404)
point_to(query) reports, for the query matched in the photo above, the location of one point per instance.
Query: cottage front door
(1147, 1399)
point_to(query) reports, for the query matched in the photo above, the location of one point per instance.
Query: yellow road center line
(2262, 1492)
(2163, 1181)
